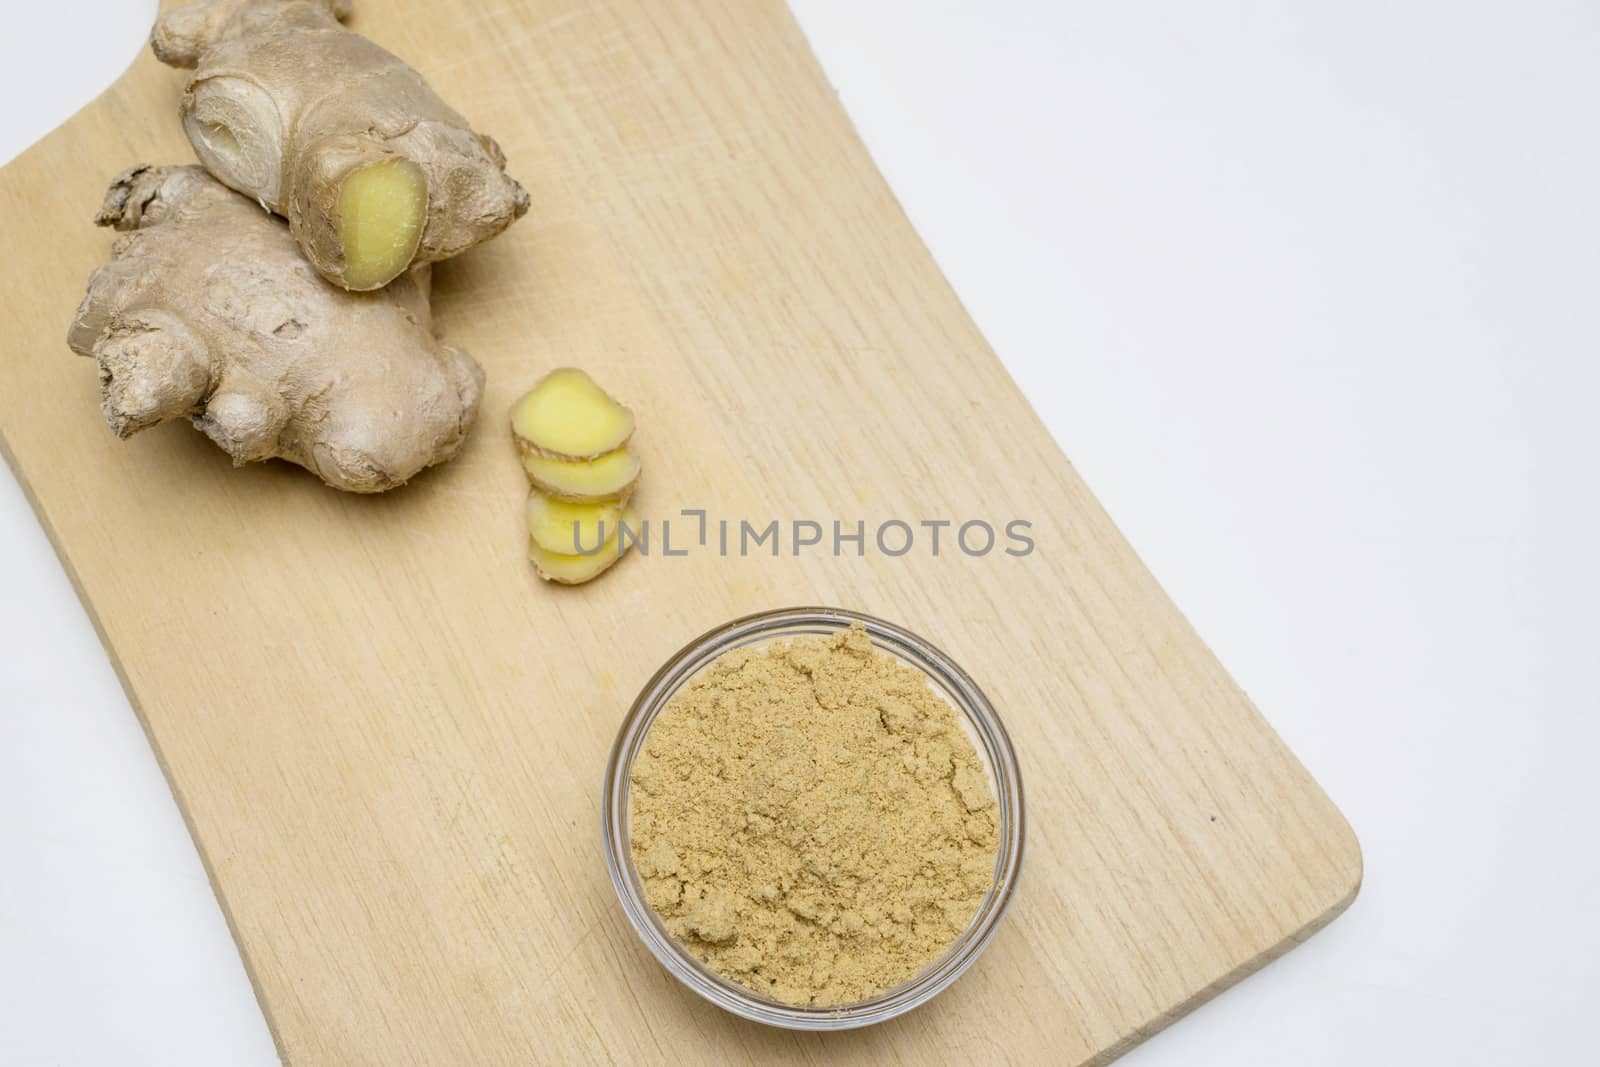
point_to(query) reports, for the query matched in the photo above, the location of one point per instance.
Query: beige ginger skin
(208, 311)
(371, 168)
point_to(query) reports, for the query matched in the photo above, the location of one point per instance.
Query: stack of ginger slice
(573, 440)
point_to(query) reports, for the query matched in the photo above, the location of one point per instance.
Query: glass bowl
(982, 725)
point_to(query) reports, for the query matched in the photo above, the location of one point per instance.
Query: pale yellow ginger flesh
(572, 437)
(570, 529)
(382, 208)
(566, 416)
(611, 477)
(565, 569)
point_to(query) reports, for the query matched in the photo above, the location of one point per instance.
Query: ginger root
(208, 311)
(567, 417)
(572, 569)
(372, 169)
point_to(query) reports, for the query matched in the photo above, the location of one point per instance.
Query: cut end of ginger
(611, 477)
(382, 209)
(571, 569)
(567, 417)
(568, 528)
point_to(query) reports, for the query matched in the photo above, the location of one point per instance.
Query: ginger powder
(810, 820)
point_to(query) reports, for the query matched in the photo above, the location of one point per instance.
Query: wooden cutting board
(387, 735)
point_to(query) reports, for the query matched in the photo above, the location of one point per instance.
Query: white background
(1309, 292)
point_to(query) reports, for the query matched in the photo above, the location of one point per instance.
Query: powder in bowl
(810, 820)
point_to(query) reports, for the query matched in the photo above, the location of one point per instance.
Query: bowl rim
(992, 740)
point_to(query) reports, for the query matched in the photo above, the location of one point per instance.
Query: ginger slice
(569, 529)
(382, 209)
(566, 416)
(611, 477)
(565, 569)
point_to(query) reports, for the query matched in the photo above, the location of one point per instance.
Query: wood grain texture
(388, 736)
